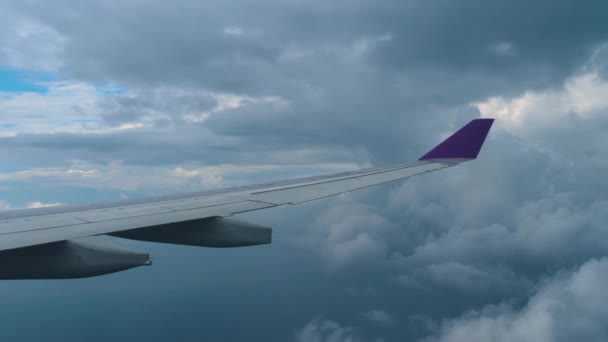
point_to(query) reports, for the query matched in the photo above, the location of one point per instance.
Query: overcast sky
(101, 100)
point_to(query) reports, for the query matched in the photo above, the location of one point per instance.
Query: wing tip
(464, 144)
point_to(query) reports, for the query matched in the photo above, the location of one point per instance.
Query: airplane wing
(64, 242)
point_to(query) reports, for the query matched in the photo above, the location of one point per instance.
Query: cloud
(581, 95)
(464, 277)
(117, 175)
(327, 75)
(28, 43)
(350, 235)
(67, 106)
(503, 49)
(565, 308)
(321, 330)
(362, 247)
(497, 243)
(525, 212)
(379, 317)
(35, 204)
(42, 205)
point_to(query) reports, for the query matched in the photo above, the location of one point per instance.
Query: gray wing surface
(200, 218)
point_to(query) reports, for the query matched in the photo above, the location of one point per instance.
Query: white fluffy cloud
(37, 204)
(67, 106)
(565, 308)
(349, 235)
(583, 95)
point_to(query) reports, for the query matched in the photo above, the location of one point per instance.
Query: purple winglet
(464, 144)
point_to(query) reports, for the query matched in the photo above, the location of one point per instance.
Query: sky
(103, 100)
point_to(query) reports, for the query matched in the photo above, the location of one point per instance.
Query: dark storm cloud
(168, 146)
(164, 106)
(527, 43)
(497, 37)
(357, 73)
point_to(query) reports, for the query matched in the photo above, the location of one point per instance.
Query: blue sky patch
(110, 89)
(12, 80)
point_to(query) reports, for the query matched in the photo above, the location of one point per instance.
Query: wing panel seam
(340, 179)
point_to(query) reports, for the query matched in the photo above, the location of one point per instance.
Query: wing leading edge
(198, 218)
